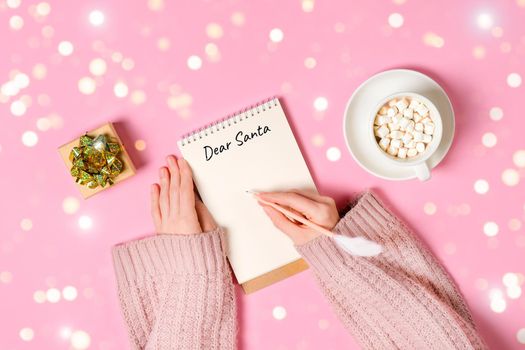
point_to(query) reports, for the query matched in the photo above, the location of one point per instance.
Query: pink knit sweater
(176, 291)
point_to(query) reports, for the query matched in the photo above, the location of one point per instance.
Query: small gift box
(97, 160)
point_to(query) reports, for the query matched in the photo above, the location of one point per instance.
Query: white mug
(420, 162)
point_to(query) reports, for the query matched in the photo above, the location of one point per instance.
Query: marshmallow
(383, 110)
(419, 127)
(422, 110)
(402, 153)
(402, 104)
(407, 137)
(417, 117)
(393, 126)
(384, 142)
(392, 150)
(382, 131)
(396, 135)
(408, 113)
(396, 118)
(403, 123)
(427, 121)
(383, 119)
(427, 138)
(410, 127)
(412, 152)
(420, 147)
(391, 112)
(418, 136)
(410, 144)
(396, 143)
(392, 102)
(414, 104)
(429, 129)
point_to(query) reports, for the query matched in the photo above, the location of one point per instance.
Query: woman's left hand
(174, 207)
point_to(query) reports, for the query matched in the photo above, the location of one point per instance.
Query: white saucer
(367, 95)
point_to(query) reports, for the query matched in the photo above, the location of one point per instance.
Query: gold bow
(95, 161)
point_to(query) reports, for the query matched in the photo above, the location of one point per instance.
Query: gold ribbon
(95, 161)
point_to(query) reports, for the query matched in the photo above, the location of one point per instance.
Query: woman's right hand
(316, 208)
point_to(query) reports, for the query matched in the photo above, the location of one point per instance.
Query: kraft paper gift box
(128, 169)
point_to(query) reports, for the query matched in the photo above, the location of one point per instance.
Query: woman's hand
(316, 208)
(174, 206)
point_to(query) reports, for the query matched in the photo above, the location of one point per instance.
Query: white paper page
(271, 161)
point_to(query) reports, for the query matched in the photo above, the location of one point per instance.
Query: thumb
(282, 222)
(205, 218)
(299, 203)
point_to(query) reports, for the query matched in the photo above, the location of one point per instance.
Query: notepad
(253, 149)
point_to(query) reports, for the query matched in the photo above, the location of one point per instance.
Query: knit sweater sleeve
(401, 299)
(176, 292)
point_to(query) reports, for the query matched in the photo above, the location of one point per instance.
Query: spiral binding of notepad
(228, 121)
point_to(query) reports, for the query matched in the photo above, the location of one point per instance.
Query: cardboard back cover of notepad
(256, 150)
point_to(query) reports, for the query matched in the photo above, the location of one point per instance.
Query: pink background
(42, 247)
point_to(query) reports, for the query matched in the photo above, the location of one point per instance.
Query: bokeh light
(87, 85)
(80, 340)
(85, 222)
(310, 62)
(39, 296)
(496, 113)
(489, 140)
(16, 22)
(120, 89)
(97, 67)
(194, 62)
(481, 186)
(69, 293)
(510, 177)
(97, 18)
(6, 277)
(276, 35)
(26, 334)
(29, 138)
(65, 48)
(321, 103)
(279, 313)
(238, 19)
(429, 208)
(514, 80)
(307, 5)
(490, 229)
(26, 224)
(214, 31)
(519, 158)
(396, 20)
(333, 154)
(485, 20)
(53, 295)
